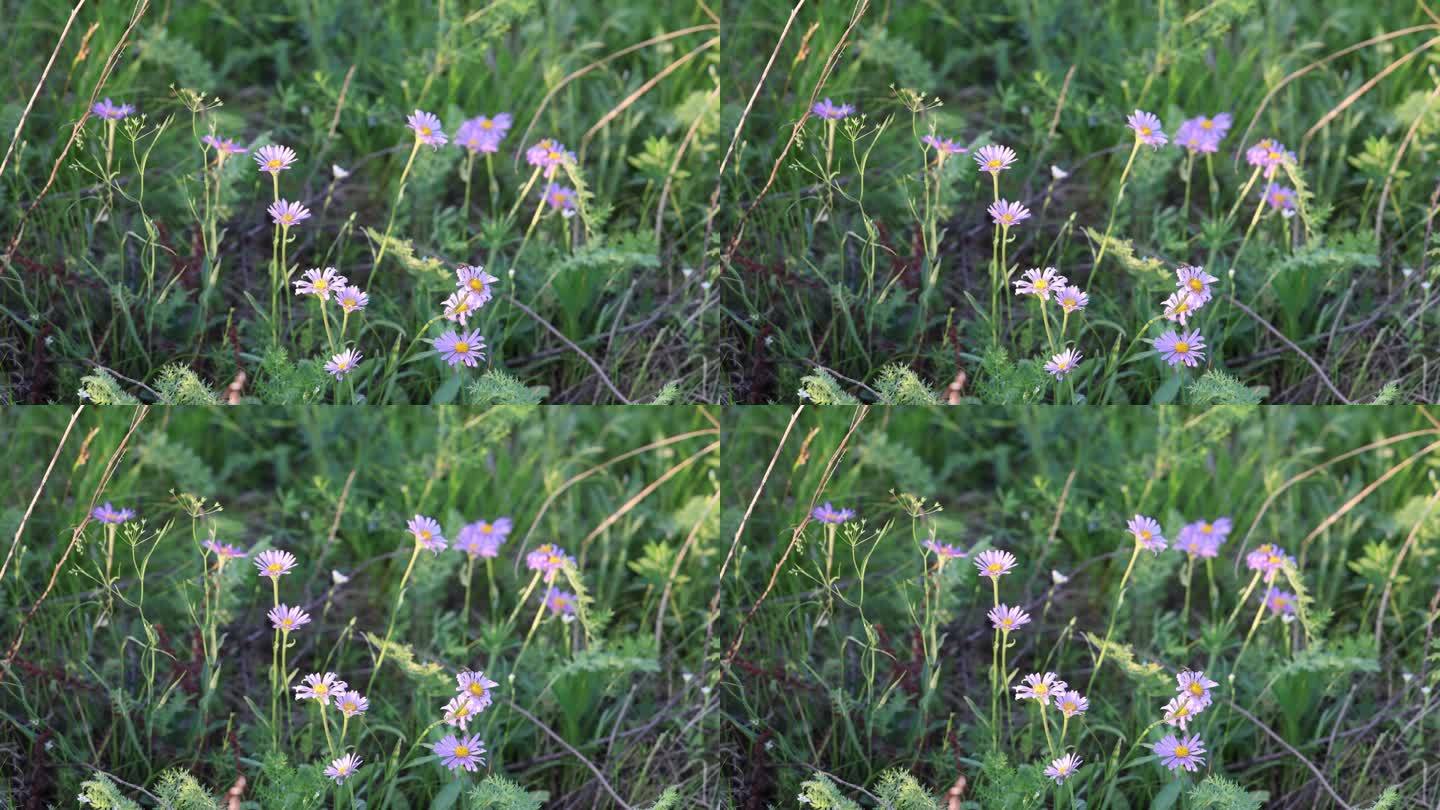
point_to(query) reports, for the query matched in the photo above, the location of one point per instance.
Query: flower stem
(1119, 195)
(399, 195)
(390, 628)
(1110, 628)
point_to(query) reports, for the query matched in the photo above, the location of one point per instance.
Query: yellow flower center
(348, 706)
(1182, 751)
(993, 568)
(461, 347)
(1182, 306)
(485, 527)
(1067, 706)
(992, 164)
(273, 568)
(1182, 347)
(1062, 364)
(424, 534)
(287, 623)
(1206, 123)
(1007, 622)
(424, 130)
(462, 751)
(463, 710)
(1144, 130)
(552, 155)
(1041, 284)
(1272, 155)
(479, 286)
(287, 218)
(1145, 535)
(1041, 689)
(487, 125)
(343, 364)
(1273, 559)
(1197, 287)
(1007, 218)
(463, 306)
(1197, 689)
(321, 284)
(477, 689)
(343, 768)
(321, 689)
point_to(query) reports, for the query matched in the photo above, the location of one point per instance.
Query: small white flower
(1407, 271)
(1058, 578)
(1287, 213)
(803, 394)
(1425, 285)
(83, 394)
(687, 676)
(705, 690)
(340, 174)
(1058, 173)
(1407, 677)
(803, 799)
(338, 578)
(686, 271)
(705, 285)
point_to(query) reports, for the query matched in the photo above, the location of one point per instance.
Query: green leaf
(1165, 799)
(446, 394)
(445, 799)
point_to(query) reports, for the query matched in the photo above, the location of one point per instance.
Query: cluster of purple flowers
(1046, 689)
(1046, 284)
(473, 289)
(1269, 155)
(1203, 134)
(1203, 538)
(547, 560)
(482, 134)
(1267, 560)
(472, 696)
(483, 538)
(548, 155)
(1192, 696)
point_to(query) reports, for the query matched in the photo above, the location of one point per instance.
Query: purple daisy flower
(1005, 213)
(1219, 528)
(560, 198)
(463, 347)
(1281, 198)
(549, 155)
(107, 513)
(427, 128)
(1196, 544)
(1063, 768)
(475, 281)
(943, 146)
(274, 562)
(1040, 687)
(994, 563)
(459, 306)
(1180, 711)
(343, 768)
(1192, 137)
(1063, 363)
(285, 213)
(352, 298)
(1184, 347)
(477, 687)
(484, 538)
(1180, 753)
(548, 559)
(1268, 559)
(560, 603)
(1195, 686)
(1179, 307)
(1195, 281)
(829, 110)
(1147, 532)
(320, 283)
(1006, 618)
(459, 711)
(461, 752)
(1040, 283)
(826, 513)
(1147, 128)
(223, 146)
(351, 703)
(316, 686)
(994, 158)
(1281, 603)
(224, 551)
(427, 533)
(343, 363)
(482, 134)
(945, 551)
(274, 158)
(109, 110)
(1071, 703)
(285, 618)
(1072, 298)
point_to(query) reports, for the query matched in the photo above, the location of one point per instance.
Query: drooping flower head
(826, 513)
(274, 562)
(1063, 768)
(830, 110)
(107, 513)
(1147, 128)
(109, 110)
(462, 347)
(459, 711)
(1195, 281)
(351, 703)
(1195, 686)
(560, 603)
(274, 158)
(343, 768)
(285, 213)
(1147, 532)
(548, 559)
(1040, 283)
(1071, 703)
(1040, 687)
(1179, 711)
(1063, 363)
(460, 752)
(427, 129)
(475, 281)
(944, 147)
(285, 618)
(483, 538)
(548, 155)
(1072, 298)
(224, 147)
(1280, 603)
(994, 563)
(945, 551)
(1179, 307)
(477, 687)
(224, 551)
(320, 283)
(320, 687)
(1280, 198)
(426, 531)
(352, 298)
(343, 363)
(459, 306)
(1184, 347)
(1183, 752)
(994, 158)
(1006, 618)
(1005, 213)
(482, 134)
(560, 198)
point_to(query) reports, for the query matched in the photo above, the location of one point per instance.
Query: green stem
(390, 628)
(1119, 195)
(1110, 628)
(399, 195)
